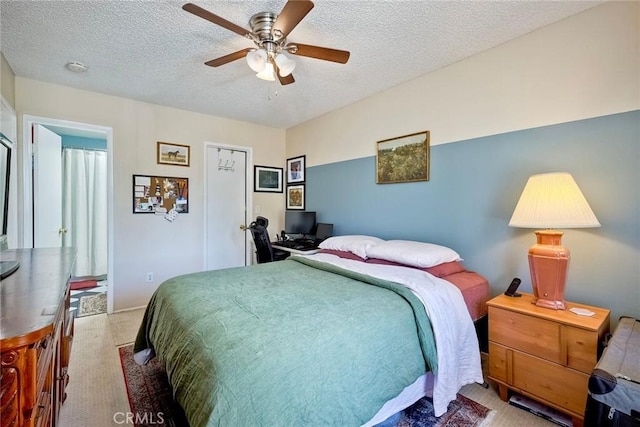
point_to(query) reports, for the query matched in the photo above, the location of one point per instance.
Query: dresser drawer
(529, 334)
(582, 349)
(551, 382)
(498, 364)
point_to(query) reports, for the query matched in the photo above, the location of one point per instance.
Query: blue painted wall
(474, 187)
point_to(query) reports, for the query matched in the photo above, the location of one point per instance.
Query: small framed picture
(267, 179)
(295, 197)
(173, 154)
(296, 169)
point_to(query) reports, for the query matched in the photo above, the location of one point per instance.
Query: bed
(313, 340)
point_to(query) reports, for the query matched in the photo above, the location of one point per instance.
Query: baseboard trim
(128, 309)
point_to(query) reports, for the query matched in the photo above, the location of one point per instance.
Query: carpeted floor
(149, 393)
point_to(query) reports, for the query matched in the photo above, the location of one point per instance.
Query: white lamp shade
(257, 59)
(268, 73)
(553, 200)
(285, 65)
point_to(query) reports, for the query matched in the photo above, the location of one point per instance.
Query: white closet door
(226, 209)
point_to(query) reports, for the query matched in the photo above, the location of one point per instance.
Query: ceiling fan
(269, 34)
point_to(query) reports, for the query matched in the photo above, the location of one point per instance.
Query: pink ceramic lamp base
(548, 264)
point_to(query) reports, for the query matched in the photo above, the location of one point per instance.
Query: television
(6, 266)
(299, 222)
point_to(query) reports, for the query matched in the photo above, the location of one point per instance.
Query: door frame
(25, 226)
(248, 192)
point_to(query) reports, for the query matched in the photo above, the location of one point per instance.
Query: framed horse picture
(173, 154)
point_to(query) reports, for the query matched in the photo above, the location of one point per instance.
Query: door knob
(243, 227)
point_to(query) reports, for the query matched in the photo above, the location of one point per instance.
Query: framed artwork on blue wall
(295, 197)
(403, 159)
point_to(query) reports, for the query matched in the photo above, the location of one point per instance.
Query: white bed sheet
(456, 341)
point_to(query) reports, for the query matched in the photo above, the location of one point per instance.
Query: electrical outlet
(149, 277)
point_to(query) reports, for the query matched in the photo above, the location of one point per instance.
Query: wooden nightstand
(544, 354)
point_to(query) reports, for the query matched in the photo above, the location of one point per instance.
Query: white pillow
(416, 254)
(358, 245)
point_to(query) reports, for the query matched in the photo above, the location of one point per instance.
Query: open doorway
(64, 163)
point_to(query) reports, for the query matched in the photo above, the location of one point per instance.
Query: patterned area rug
(92, 304)
(150, 397)
(149, 392)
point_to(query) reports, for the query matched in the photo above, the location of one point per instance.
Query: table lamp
(549, 201)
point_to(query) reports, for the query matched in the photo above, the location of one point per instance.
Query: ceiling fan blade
(228, 58)
(205, 14)
(287, 80)
(324, 53)
(292, 13)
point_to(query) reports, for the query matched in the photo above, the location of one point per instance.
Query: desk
(295, 251)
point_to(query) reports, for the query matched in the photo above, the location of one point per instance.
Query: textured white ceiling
(154, 51)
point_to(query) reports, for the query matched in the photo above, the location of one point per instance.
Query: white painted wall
(587, 65)
(7, 81)
(148, 243)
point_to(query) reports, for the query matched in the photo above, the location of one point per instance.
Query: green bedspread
(295, 342)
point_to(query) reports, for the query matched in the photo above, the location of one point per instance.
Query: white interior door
(226, 207)
(47, 188)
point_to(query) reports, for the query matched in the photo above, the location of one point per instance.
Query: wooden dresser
(545, 354)
(36, 333)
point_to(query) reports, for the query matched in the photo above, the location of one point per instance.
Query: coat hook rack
(228, 164)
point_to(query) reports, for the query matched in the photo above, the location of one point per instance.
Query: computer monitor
(299, 222)
(323, 231)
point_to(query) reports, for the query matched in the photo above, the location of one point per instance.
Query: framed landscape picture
(295, 197)
(403, 159)
(173, 154)
(267, 179)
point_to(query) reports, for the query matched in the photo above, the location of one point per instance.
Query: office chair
(264, 250)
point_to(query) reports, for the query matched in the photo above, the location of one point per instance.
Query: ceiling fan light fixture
(285, 65)
(257, 60)
(268, 73)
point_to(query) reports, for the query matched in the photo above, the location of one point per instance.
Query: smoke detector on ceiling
(76, 67)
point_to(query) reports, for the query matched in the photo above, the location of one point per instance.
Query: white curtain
(84, 209)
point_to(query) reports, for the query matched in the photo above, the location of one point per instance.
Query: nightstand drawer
(553, 383)
(529, 334)
(582, 349)
(498, 363)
